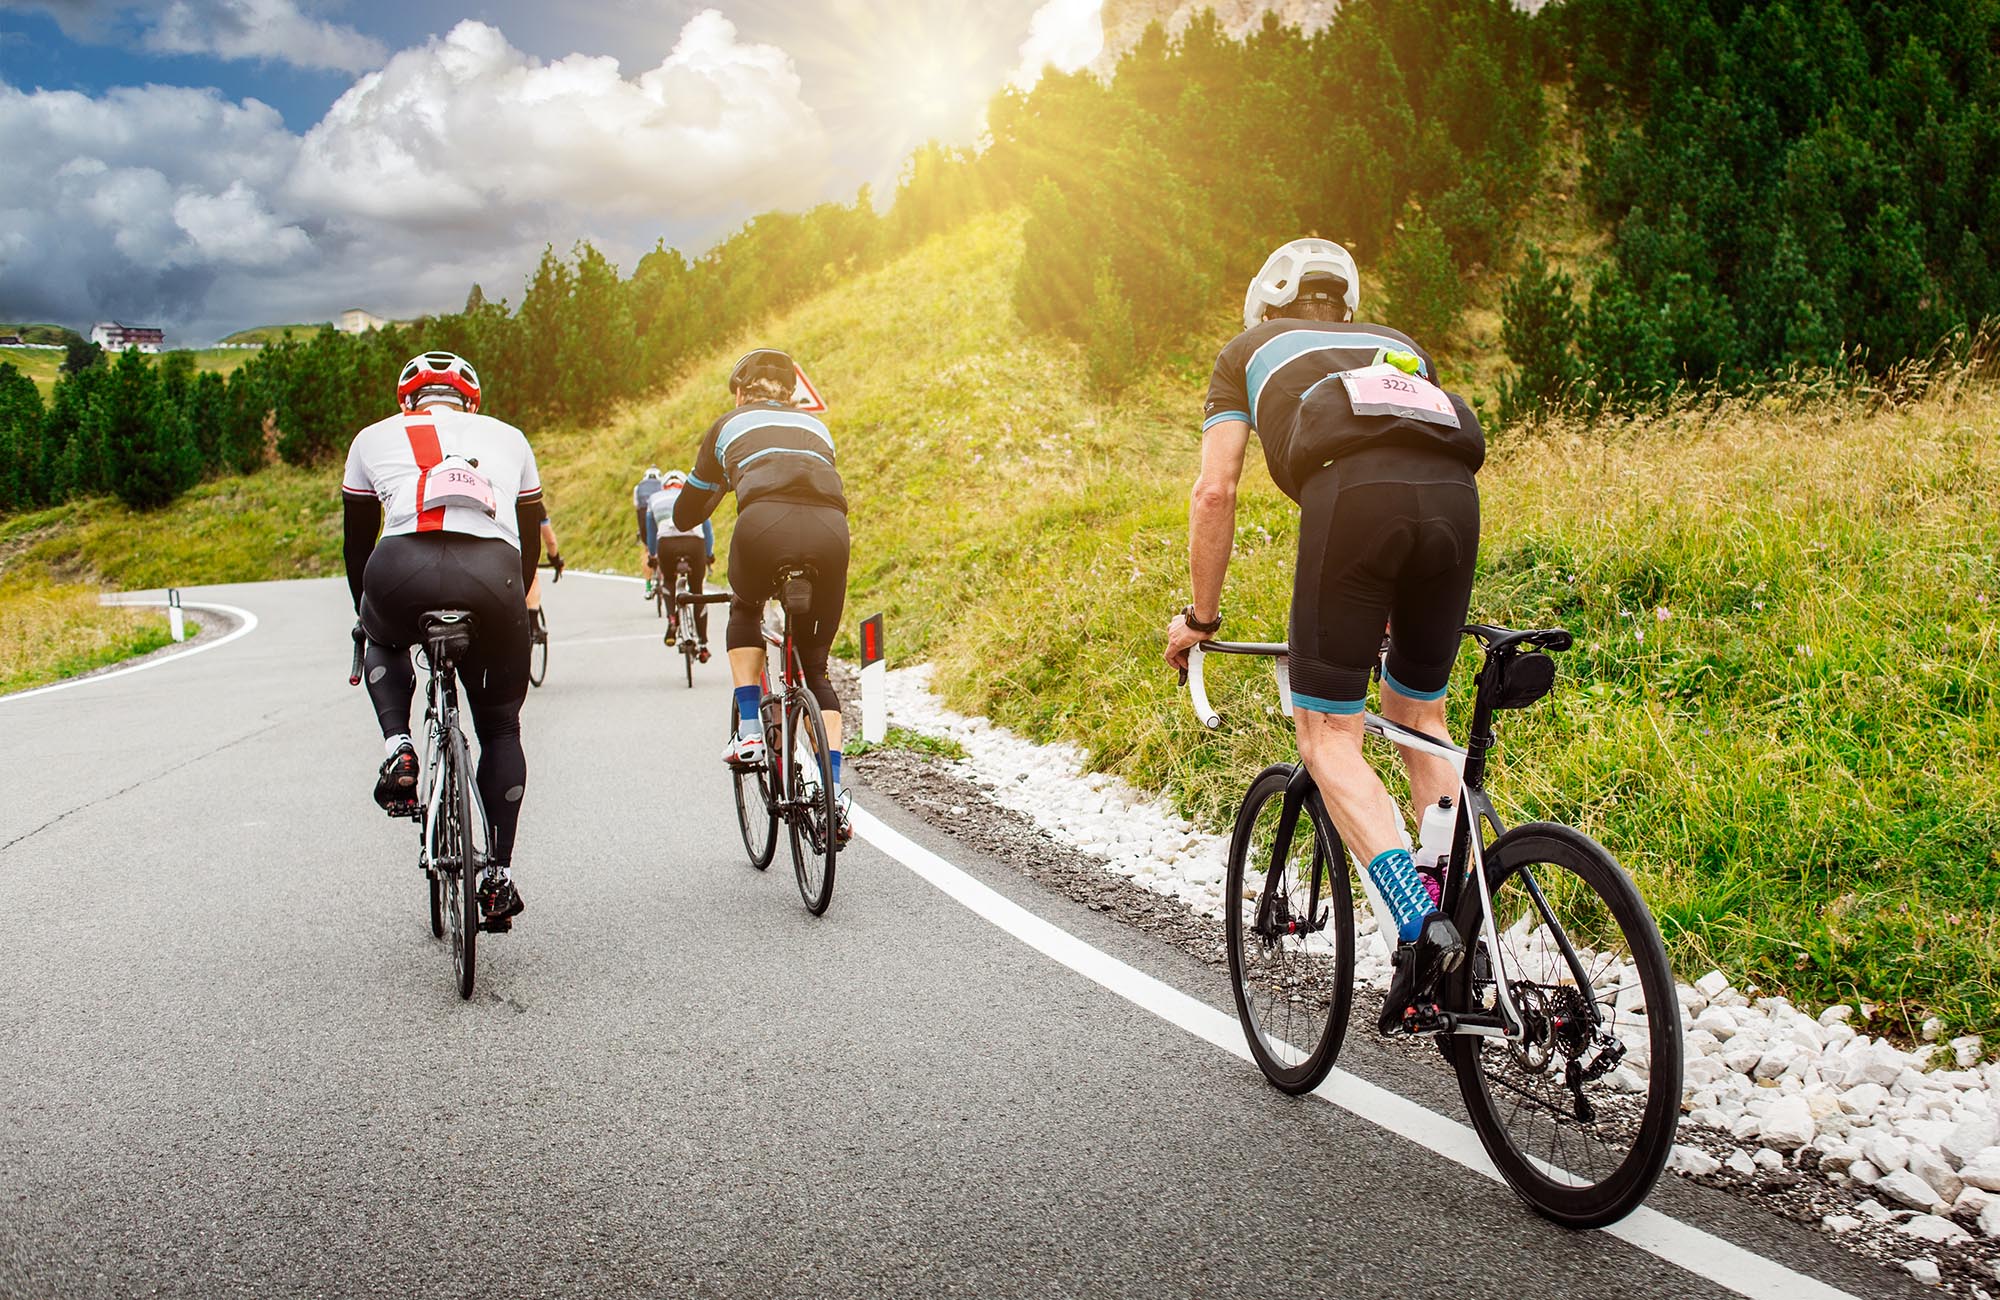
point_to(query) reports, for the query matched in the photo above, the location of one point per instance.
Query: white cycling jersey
(661, 507)
(428, 468)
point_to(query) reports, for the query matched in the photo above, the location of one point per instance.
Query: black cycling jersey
(1278, 378)
(765, 451)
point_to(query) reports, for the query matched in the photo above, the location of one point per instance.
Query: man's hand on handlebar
(556, 563)
(1180, 639)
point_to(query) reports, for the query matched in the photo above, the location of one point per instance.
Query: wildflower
(1639, 634)
(1661, 614)
(1802, 649)
(1756, 604)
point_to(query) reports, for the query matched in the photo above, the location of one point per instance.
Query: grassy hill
(44, 367)
(272, 333)
(1781, 713)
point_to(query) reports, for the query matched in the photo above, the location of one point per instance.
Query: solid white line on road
(245, 627)
(1702, 1253)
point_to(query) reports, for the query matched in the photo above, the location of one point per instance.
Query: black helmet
(764, 363)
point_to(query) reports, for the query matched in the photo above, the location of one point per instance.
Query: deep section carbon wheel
(756, 801)
(1579, 1112)
(1289, 917)
(809, 786)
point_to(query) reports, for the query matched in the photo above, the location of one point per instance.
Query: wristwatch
(1195, 624)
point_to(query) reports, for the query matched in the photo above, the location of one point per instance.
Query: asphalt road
(231, 1062)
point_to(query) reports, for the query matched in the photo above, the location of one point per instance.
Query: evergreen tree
(20, 441)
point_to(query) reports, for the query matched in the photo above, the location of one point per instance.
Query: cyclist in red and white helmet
(457, 501)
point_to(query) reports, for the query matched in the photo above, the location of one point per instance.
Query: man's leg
(1360, 805)
(1431, 778)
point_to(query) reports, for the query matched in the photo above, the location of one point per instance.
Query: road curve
(231, 1062)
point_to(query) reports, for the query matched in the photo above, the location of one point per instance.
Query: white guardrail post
(174, 620)
(874, 683)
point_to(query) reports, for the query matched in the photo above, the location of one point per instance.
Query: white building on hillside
(113, 337)
(358, 320)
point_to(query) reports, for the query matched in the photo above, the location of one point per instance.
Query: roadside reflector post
(174, 614)
(874, 683)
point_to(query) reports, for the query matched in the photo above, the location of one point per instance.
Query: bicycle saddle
(1500, 638)
(447, 633)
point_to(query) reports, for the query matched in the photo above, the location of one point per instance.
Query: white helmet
(652, 471)
(1278, 283)
(674, 478)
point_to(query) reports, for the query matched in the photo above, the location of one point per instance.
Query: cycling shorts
(771, 535)
(1388, 538)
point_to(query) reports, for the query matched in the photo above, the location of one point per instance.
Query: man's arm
(528, 516)
(695, 505)
(360, 521)
(1211, 530)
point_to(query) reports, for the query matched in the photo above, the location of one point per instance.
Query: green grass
(44, 367)
(1798, 762)
(273, 333)
(51, 631)
(916, 742)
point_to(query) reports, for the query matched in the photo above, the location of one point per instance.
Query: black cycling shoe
(396, 782)
(1411, 1002)
(499, 901)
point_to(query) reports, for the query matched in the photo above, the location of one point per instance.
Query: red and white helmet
(434, 371)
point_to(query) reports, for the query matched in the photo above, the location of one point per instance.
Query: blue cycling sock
(748, 700)
(834, 754)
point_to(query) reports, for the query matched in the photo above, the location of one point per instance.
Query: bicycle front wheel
(1579, 1113)
(687, 657)
(1289, 917)
(457, 861)
(756, 805)
(538, 655)
(809, 787)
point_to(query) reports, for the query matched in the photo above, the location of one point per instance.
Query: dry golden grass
(48, 632)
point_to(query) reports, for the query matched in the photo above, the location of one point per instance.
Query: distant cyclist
(554, 552)
(1381, 463)
(791, 509)
(648, 487)
(472, 546)
(671, 545)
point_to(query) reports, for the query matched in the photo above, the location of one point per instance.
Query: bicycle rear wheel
(1289, 918)
(756, 803)
(1580, 1114)
(809, 787)
(436, 889)
(538, 651)
(687, 658)
(457, 861)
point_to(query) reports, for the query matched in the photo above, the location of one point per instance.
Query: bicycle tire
(687, 658)
(1282, 986)
(436, 890)
(755, 806)
(809, 790)
(1524, 900)
(460, 868)
(538, 655)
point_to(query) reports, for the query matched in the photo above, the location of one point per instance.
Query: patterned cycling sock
(748, 698)
(834, 754)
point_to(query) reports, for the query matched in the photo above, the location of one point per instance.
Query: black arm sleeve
(360, 520)
(528, 515)
(695, 504)
(639, 513)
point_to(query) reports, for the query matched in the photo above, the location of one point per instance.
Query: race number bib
(1383, 389)
(455, 481)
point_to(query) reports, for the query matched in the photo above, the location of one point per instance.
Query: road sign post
(874, 683)
(174, 621)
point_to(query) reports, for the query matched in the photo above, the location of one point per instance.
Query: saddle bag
(1524, 678)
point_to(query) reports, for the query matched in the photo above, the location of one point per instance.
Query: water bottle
(1395, 877)
(1434, 836)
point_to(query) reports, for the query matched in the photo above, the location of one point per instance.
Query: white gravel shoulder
(1918, 1130)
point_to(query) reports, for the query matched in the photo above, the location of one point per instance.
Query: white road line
(1702, 1253)
(247, 625)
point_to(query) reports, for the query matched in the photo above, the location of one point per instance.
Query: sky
(210, 165)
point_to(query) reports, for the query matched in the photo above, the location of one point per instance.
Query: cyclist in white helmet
(642, 495)
(457, 499)
(1381, 461)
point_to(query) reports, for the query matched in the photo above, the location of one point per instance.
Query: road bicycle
(680, 633)
(1563, 1028)
(450, 818)
(794, 784)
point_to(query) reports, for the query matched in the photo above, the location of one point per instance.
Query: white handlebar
(1202, 709)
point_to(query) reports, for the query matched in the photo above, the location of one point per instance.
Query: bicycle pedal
(412, 810)
(501, 926)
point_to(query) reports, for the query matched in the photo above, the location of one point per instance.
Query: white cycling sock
(394, 743)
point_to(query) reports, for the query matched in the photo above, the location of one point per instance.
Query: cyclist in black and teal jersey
(791, 510)
(1381, 462)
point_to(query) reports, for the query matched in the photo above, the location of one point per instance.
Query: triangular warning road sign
(807, 398)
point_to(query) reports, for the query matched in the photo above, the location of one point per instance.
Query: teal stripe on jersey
(1293, 344)
(763, 418)
(1220, 416)
(780, 451)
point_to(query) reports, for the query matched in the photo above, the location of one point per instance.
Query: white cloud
(467, 126)
(262, 29)
(455, 162)
(229, 29)
(1062, 34)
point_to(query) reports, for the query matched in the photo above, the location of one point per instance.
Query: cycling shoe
(396, 782)
(744, 751)
(499, 901)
